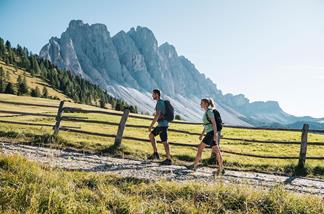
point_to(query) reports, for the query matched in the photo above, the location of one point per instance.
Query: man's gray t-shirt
(160, 106)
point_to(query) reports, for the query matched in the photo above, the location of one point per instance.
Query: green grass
(139, 150)
(29, 188)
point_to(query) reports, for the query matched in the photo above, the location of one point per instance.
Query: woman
(211, 137)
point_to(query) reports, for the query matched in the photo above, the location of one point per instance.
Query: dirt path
(148, 170)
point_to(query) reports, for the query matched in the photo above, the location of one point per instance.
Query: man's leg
(167, 149)
(164, 139)
(152, 139)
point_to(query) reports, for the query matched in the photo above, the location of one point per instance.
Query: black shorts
(209, 139)
(162, 131)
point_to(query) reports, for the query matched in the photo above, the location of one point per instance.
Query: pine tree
(113, 103)
(2, 85)
(2, 73)
(21, 85)
(45, 92)
(19, 80)
(32, 72)
(35, 66)
(2, 80)
(2, 48)
(8, 45)
(25, 63)
(7, 76)
(35, 92)
(118, 106)
(9, 89)
(7, 60)
(19, 50)
(131, 109)
(102, 104)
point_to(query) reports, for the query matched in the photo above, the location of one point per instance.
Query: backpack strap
(208, 117)
(161, 117)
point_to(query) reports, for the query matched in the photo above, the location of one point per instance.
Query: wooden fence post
(58, 118)
(121, 128)
(303, 146)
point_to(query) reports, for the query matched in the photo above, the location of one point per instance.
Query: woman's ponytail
(211, 103)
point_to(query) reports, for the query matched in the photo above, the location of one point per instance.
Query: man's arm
(156, 117)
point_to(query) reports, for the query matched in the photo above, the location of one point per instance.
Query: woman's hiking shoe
(192, 167)
(218, 172)
(154, 156)
(166, 162)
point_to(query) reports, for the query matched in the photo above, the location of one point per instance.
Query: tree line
(73, 86)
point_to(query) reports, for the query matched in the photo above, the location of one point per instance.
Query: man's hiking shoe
(154, 156)
(192, 167)
(166, 162)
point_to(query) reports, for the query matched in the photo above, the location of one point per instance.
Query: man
(161, 129)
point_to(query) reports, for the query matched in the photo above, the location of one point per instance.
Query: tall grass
(29, 188)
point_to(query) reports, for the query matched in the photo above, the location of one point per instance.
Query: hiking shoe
(218, 172)
(192, 167)
(223, 171)
(154, 156)
(166, 162)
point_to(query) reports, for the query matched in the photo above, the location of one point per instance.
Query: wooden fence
(61, 109)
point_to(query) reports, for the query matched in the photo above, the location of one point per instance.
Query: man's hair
(157, 91)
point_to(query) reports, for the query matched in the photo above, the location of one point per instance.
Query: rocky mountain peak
(129, 65)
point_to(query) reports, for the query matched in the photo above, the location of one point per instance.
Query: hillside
(32, 81)
(22, 72)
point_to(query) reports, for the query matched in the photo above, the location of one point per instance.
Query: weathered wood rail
(59, 118)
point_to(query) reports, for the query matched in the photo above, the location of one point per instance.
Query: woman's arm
(202, 134)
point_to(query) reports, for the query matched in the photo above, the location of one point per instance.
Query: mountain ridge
(132, 63)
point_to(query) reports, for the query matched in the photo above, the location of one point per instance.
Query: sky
(264, 49)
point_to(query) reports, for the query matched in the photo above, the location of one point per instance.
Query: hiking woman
(212, 135)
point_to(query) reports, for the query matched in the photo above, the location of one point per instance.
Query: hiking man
(161, 129)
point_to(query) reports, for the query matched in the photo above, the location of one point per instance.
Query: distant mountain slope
(24, 73)
(130, 64)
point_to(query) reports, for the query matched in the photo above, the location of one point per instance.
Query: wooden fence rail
(184, 145)
(122, 125)
(27, 104)
(27, 113)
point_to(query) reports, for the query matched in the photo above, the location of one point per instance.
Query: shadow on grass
(11, 134)
(296, 170)
(318, 170)
(116, 151)
(34, 139)
(187, 158)
(48, 139)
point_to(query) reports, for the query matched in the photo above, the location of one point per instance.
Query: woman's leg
(219, 158)
(201, 147)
